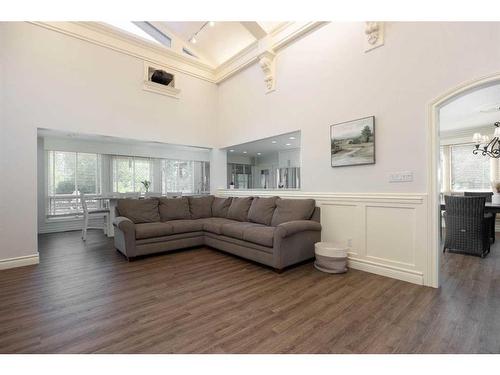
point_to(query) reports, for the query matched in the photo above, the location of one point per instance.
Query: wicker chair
(494, 214)
(467, 227)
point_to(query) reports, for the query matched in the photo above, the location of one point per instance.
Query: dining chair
(89, 214)
(488, 196)
(467, 226)
(174, 194)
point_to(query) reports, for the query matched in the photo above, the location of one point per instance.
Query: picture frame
(352, 142)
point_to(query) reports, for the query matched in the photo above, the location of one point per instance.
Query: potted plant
(495, 187)
(146, 185)
(231, 185)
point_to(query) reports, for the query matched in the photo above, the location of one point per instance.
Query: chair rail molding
(388, 231)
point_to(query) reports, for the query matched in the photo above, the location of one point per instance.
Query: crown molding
(278, 39)
(109, 37)
(128, 44)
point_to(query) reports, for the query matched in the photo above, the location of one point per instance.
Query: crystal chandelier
(485, 146)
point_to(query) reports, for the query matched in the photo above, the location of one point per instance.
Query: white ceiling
(476, 109)
(215, 43)
(266, 146)
(219, 42)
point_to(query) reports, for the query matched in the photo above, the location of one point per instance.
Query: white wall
(63, 83)
(326, 77)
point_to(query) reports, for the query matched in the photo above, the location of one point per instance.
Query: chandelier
(485, 146)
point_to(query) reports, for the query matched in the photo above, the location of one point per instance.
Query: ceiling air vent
(158, 80)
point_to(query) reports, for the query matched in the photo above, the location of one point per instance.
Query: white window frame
(50, 181)
(114, 181)
(446, 173)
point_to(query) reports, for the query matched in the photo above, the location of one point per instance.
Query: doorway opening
(454, 170)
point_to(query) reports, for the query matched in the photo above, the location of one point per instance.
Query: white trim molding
(386, 233)
(267, 62)
(433, 188)
(275, 41)
(27, 260)
(112, 38)
(374, 35)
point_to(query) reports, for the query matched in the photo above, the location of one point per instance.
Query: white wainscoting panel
(387, 232)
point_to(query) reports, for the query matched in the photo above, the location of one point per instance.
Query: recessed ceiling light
(291, 138)
(259, 153)
(211, 23)
(231, 150)
(274, 141)
(288, 144)
(244, 152)
(193, 40)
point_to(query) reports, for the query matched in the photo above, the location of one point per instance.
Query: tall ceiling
(215, 42)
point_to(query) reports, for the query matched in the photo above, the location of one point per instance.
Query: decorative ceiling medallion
(267, 62)
(374, 35)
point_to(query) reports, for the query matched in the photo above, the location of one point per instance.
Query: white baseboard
(388, 271)
(27, 260)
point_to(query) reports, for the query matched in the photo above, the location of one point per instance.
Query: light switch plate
(401, 177)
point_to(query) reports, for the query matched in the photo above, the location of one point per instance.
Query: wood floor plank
(86, 298)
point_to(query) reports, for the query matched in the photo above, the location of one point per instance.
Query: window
(465, 171)
(128, 172)
(185, 175)
(68, 174)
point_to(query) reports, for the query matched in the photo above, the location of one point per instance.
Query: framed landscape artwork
(353, 142)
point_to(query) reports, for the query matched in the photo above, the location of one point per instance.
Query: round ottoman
(330, 257)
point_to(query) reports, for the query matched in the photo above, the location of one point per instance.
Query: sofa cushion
(238, 210)
(220, 206)
(260, 235)
(200, 207)
(261, 210)
(139, 210)
(174, 208)
(292, 209)
(236, 230)
(149, 230)
(214, 224)
(184, 226)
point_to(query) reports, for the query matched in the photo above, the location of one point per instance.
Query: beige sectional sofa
(272, 231)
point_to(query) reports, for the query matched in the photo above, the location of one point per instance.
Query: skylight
(143, 30)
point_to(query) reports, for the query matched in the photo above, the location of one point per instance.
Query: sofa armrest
(291, 227)
(124, 223)
(125, 236)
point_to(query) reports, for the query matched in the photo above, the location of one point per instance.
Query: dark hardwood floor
(86, 298)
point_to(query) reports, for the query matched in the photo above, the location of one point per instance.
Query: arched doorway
(433, 167)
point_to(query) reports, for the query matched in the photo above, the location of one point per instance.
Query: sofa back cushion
(220, 206)
(200, 207)
(292, 209)
(139, 210)
(174, 208)
(238, 210)
(262, 209)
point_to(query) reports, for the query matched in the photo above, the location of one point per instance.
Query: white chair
(174, 194)
(88, 214)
